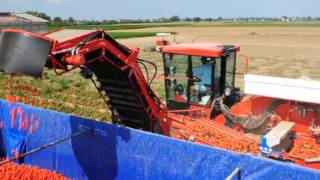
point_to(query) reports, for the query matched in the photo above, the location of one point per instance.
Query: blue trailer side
(114, 152)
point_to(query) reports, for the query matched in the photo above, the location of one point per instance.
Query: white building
(23, 21)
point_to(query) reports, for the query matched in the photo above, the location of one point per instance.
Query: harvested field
(278, 51)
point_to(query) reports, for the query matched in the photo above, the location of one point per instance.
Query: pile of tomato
(11, 171)
(305, 149)
(27, 123)
(219, 139)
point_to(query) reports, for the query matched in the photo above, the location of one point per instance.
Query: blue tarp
(114, 152)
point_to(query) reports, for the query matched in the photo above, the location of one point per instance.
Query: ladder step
(123, 118)
(120, 90)
(128, 109)
(121, 96)
(118, 81)
(125, 103)
(113, 81)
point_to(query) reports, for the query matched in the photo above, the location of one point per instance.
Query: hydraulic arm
(115, 67)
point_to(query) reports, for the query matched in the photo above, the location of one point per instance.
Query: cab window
(176, 73)
(201, 85)
(230, 72)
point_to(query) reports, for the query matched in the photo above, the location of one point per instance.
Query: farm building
(23, 21)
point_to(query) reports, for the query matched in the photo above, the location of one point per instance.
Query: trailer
(99, 150)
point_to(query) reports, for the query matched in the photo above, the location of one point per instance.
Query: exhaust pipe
(22, 52)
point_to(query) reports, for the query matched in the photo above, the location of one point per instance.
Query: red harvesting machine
(202, 103)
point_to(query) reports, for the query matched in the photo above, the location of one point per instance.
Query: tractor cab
(197, 74)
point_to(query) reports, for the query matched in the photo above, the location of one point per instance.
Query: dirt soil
(285, 52)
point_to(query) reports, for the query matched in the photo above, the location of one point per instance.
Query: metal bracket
(234, 173)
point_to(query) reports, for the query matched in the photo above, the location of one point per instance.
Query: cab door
(202, 80)
(177, 81)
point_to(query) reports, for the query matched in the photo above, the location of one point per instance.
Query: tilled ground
(288, 52)
(277, 51)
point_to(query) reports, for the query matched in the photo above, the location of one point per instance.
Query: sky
(144, 9)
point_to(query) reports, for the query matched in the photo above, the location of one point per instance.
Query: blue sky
(135, 9)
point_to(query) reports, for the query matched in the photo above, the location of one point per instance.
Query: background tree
(70, 20)
(208, 19)
(174, 18)
(57, 20)
(196, 19)
(188, 19)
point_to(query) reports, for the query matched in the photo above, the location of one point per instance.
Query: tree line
(175, 18)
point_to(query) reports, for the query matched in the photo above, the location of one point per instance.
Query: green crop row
(113, 27)
(118, 26)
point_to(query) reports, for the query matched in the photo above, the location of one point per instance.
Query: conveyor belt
(125, 97)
